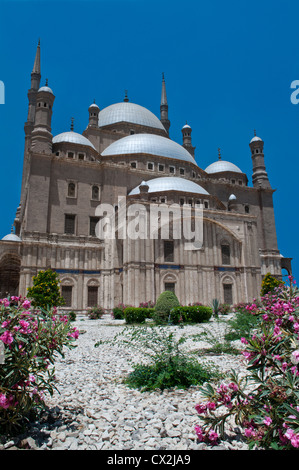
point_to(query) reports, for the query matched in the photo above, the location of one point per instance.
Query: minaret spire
(164, 106)
(36, 66)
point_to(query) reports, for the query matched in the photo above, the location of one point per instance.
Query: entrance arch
(10, 265)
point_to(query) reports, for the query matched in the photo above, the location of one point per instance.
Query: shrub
(241, 325)
(167, 364)
(224, 309)
(45, 292)
(137, 314)
(165, 303)
(268, 410)
(118, 311)
(95, 313)
(269, 284)
(32, 339)
(193, 314)
(72, 316)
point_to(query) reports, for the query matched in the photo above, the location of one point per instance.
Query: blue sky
(228, 68)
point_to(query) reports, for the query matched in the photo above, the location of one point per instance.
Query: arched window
(71, 192)
(225, 254)
(95, 192)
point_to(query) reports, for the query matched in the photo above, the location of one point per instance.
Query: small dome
(186, 126)
(12, 237)
(148, 144)
(93, 105)
(73, 138)
(256, 139)
(171, 183)
(46, 89)
(222, 165)
(232, 197)
(129, 112)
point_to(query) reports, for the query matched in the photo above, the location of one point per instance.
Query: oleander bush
(137, 314)
(190, 314)
(95, 313)
(165, 303)
(32, 339)
(265, 402)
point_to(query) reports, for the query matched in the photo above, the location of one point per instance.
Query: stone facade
(125, 154)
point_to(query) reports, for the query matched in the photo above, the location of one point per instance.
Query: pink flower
(213, 436)
(199, 433)
(233, 386)
(3, 401)
(267, 421)
(211, 405)
(201, 408)
(74, 334)
(6, 337)
(295, 357)
(26, 304)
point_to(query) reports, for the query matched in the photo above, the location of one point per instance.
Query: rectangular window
(92, 296)
(170, 286)
(70, 155)
(133, 165)
(81, 156)
(182, 171)
(69, 224)
(168, 251)
(150, 166)
(225, 254)
(161, 167)
(66, 293)
(92, 225)
(228, 293)
(171, 169)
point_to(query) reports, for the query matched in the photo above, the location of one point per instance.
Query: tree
(45, 291)
(166, 301)
(269, 284)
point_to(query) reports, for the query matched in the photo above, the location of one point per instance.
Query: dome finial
(254, 131)
(72, 124)
(46, 82)
(219, 153)
(126, 99)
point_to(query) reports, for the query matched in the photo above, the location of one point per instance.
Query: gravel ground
(94, 410)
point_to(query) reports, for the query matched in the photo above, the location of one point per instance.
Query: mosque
(125, 160)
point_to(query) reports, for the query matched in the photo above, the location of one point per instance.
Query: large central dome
(129, 112)
(151, 144)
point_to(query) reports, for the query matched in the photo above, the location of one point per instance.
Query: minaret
(35, 81)
(41, 138)
(164, 107)
(259, 175)
(187, 139)
(93, 115)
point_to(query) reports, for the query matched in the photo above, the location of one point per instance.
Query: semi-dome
(73, 138)
(148, 144)
(129, 112)
(171, 183)
(12, 237)
(221, 166)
